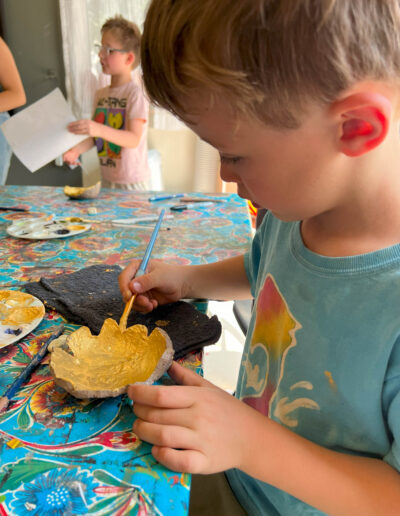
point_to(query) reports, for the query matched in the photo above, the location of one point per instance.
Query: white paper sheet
(38, 133)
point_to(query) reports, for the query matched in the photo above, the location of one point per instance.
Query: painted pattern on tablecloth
(60, 455)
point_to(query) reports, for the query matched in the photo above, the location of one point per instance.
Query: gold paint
(73, 191)
(331, 381)
(124, 317)
(76, 228)
(108, 362)
(162, 323)
(83, 192)
(15, 295)
(15, 308)
(23, 315)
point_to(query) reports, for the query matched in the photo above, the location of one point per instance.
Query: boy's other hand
(71, 156)
(86, 126)
(195, 427)
(163, 283)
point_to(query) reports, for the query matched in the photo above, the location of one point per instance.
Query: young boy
(119, 125)
(302, 101)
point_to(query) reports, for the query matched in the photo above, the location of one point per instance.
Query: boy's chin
(247, 197)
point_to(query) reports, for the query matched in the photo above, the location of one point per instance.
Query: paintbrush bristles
(124, 317)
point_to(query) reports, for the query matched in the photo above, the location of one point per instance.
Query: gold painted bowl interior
(81, 192)
(89, 366)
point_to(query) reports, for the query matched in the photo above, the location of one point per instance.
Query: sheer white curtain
(81, 21)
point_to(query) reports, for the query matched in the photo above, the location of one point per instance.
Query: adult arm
(13, 94)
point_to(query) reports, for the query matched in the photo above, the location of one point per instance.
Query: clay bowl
(89, 366)
(81, 192)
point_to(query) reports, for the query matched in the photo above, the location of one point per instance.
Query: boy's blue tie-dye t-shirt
(322, 354)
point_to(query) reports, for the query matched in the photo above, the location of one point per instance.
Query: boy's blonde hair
(127, 33)
(268, 58)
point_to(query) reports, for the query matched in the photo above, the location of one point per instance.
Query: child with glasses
(302, 100)
(119, 124)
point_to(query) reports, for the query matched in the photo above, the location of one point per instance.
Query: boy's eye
(229, 160)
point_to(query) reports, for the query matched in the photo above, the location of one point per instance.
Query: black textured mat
(90, 295)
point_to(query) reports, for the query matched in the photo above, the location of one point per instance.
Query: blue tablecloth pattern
(64, 456)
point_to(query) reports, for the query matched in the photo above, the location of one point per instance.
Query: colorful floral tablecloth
(60, 455)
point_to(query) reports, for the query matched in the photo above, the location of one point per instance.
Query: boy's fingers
(171, 396)
(163, 435)
(185, 461)
(124, 279)
(144, 305)
(184, 376)
(162, 416)
(144, 283)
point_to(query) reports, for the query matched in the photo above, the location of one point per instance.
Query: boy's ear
(364, 121)
(130, 58)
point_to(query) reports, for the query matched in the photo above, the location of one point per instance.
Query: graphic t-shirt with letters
(115, 107)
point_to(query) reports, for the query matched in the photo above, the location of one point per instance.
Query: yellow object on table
(89, 366)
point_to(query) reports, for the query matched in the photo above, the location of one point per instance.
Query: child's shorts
(212, 495)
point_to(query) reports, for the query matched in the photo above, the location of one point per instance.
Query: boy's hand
(163, 283)
(71, 156)
(195, 427)
(86, 126)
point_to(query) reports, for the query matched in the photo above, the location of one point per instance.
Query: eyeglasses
(107, 51)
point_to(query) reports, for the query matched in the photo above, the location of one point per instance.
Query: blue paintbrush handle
(15, 386)
(143, 265)
(164, 197)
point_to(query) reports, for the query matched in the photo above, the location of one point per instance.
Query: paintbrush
(26, 373)
(142, 269)
(164, 197)
(141, 226)
(200, 199)
(12, 208)
(135, 220)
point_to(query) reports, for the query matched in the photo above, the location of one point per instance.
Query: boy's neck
(336, 237)
(368, 220)
(121, 78)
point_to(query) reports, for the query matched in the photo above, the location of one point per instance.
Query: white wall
(188, 164)
(177, 149)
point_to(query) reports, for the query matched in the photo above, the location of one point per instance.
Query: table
(60, 455)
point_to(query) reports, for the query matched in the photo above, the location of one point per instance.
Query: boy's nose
(227, 176)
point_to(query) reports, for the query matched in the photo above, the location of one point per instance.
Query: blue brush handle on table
(16, 385)
(164, 197)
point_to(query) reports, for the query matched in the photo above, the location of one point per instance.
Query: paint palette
(20, 313)
(34, 229)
